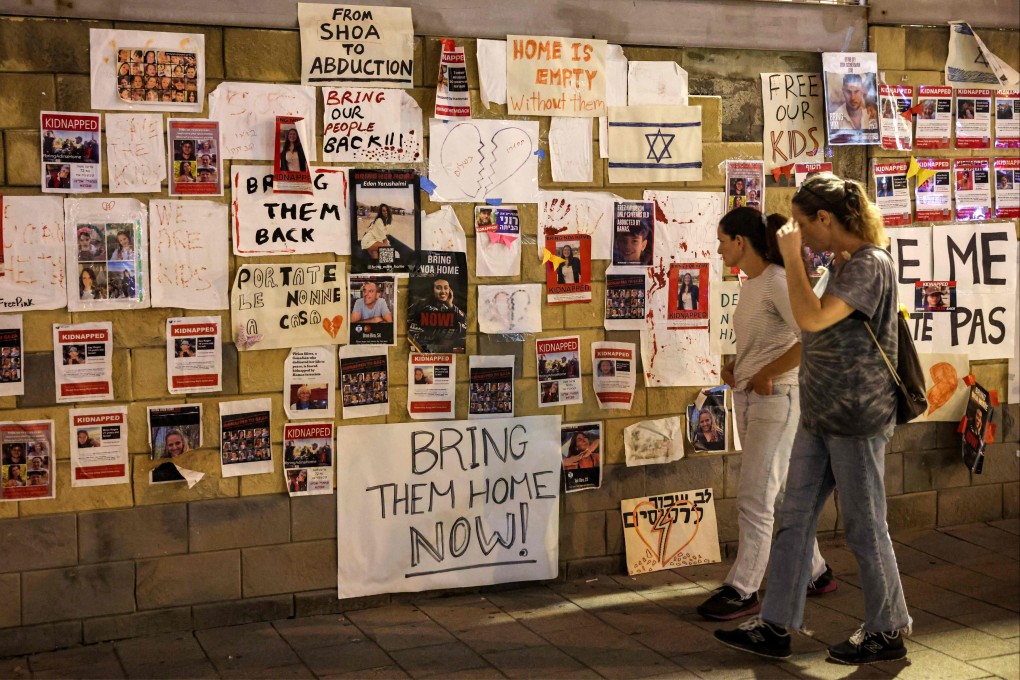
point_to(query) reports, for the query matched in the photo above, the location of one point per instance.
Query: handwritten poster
(356, 45)
(944, 387)
(370, 125)
(190, 254)
(669, 531)
(510, 309)
(146, 70)
(33, 253)
(794, 115)
(654, 144)
(723, 304)
(289, 305)
(462, 528)
(134, 152)
(477, 160)
(247, 116)
(548, 76)
(267, 223)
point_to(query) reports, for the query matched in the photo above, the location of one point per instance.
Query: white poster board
(190, 254)
(479, 160)
(445, 537)
(370, 125)
(794, 114)
(33, 262)
(247, 115)
(548, 76)
(134, 152)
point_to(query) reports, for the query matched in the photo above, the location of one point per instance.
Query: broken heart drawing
(670, 530)
(484, 159)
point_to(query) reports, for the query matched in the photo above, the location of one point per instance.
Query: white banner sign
(365, 125)
(484, 507)
(190, 254)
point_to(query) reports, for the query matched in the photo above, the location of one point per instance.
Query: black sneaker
(758, 637)
(726, 604)
(864, 648)
(826, 583)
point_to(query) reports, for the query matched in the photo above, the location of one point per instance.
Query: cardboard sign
(424, 520)
(289, 305)
(794, 117)
(548, 76)
(356, 45)
(670, 531)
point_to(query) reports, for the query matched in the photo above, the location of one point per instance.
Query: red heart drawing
(333, 325)
(664, 541)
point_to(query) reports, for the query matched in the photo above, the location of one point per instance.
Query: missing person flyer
(614, 365)
(309, 383)
(364, 381)
(196, 159)
(453, 101)
(173, 432)
(625, 299)
(977, 419)
(491, 387)
(851, 97)
(385, 221)
(308, 458)
(290, 164)
(497, 240)
(892, 191)
(194, 360)
(973, 119)
(373, 308)
(28, 469)
(245, 448)
(70, 153)
(935, 119)
(12, 339)
(581, 454)
(687, 306)
(934, 296)
(82, 361)
(568, 269)
(99, 446)
(1007, 119)
(745, 184)
(973, 189)
(633, 229)
(933, 196)
(559, 370)
(1007, 187)
(896, 129)
(802, 172)
(431, 385)
(437, 292)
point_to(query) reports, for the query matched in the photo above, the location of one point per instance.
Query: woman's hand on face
(790, 241)
(762, 384)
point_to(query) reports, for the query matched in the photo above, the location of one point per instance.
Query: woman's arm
(812, 314)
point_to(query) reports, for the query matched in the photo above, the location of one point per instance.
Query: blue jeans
(767, 425)
(856, 467)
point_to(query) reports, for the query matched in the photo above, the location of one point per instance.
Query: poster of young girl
(581, 453)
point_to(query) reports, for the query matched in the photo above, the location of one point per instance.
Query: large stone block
(212, 484)
(253, 374)
(890, 44)
(618, 482)
(40, 383)
(260, 55)
(583, 535)
(21, 149)
(312, 517)
(148, 373)
(735, 64)
(45, 45)
(74, 93)
(912, 511)
(289, 568)
(935, 469)
(132, 534)
(39, 325)
(1011, 500)
(27, 95)
(189, 579)
(693, 472)
(10, 612)
(966, 505)
(140, 328)
(248, 610)
(105, 628)
(38, 543)
(239, 522)
(929, 48)
(77, 499)
(912, 437)
(77, 592)
(42, 638)
(894, 474)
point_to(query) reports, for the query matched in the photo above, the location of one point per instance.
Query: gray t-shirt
(845, 386)
(765, 327)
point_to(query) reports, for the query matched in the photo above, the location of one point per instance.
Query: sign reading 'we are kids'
(555, 76)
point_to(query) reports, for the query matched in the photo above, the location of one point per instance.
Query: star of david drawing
(654, 141)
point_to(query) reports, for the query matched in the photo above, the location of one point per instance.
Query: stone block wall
(108, 562)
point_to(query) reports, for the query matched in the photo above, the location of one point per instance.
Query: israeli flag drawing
(971, 63)
(654, 144)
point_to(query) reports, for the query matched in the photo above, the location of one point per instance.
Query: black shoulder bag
(908, 374)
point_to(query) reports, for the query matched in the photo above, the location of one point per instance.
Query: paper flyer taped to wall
(935, 120)
(625, 299)
(497, 241)
(656, 83)
(29, 465)
(173, 432)
(370, 125)
(309, 383)
(385, 221)
(559, 371)
(247, 115)
(245, 447)
(437, 295)
(652, 442)
(431, 385)
(1007, 119)
(490, 387)
(723, 299)
(190, 254)
(897, 131)
(581, 453)
(373, 309)
(308, 458)
(851, 97)
(568, 269)
(12, 347)
(570, 149)
(892, 193)
(550, 76)
(510, 309)
(944, 387)
(633, 234)
(1007, 187)
(194, 355)
(441, 230)
(99, 446)
(973, 118)
(83, 361)
(195, 157)
(453, 100)
(365, 381)
(33, 271)
(134, 152)
(491, 71)
(794, 115)
(70, 153)
(476, 160)
(291, 173)
(708, 421)
(616, 91)
(614, 368)
(578, 212)
(973, 189)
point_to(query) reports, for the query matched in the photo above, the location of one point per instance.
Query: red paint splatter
(659, 215)
(683, 245)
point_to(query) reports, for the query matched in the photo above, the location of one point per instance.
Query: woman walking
(766, 406)
(848, 409)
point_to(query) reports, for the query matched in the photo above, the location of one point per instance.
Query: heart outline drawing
(333, 326)
(477, 167)
(664, 538)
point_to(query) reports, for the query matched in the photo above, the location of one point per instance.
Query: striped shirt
(764, 326)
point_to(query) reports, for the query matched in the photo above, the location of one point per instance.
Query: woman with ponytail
(766, 406)
(848, 409)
